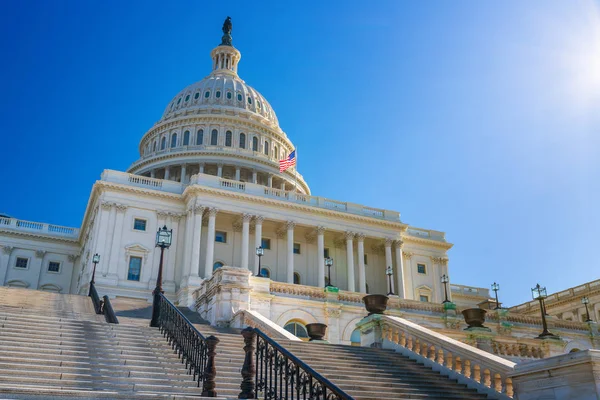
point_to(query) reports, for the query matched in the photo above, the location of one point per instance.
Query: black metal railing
(272, 372)
(195, 350)
(96, 299)
(109, 313)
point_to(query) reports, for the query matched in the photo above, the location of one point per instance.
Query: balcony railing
(38, 227)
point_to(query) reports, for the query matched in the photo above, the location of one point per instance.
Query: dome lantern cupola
(225, 57)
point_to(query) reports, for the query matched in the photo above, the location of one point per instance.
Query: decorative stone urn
(316, 331)
(375, 303)
(474, 317)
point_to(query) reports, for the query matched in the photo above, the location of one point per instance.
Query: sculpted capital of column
(258, 219)
(407, 254)
(349, 235)
(72, 257)
(320, 230)
(40, 253)
(212, 212)
(162, 214)
(398, 243)
(7, 249)
(198, 209)
(388, 242)
(106, 205)
(246, 217)
(121, 208)
(290, 225)
(360, 237)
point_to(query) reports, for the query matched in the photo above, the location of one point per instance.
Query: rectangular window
(135, 267)
(53, 266)
(266, 244)
(326, 253)
(220, 237)
(296, 248)
(139, 224)
(21, 262)
(421, 269)
(365, 259)
(424, 299)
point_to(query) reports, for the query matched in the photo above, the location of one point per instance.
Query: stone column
(152, 173)
(388, 262)
(321, 256)
(4, 262)
(116, 243)
(220, 170)
(161, 220)
(435, 274)
(254, 177)
(362, 278)
(400, 268)
(282, 186)
(290, 251)
(167, 173)
(270, 181)
(350, 260)
(103, 243)
(175, 257)
(238, 174)
(210, 243)
(37, 266)
(183, 173)
(200, 168)
(245, 239)
(258, 221)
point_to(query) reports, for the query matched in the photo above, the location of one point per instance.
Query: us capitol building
(209, 170)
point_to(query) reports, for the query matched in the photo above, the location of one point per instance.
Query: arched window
(199, 137)
(276, 152)
(242, 140)
(154, 147)
(228, 138)
(355, 338)
(266, 148)
(296, 278)
(163, 143)
(296, 328)
(218, 94)
(217, 265)
(265, 272)
(174, 140)
(214, 135)
(186, 138)
(254, 143)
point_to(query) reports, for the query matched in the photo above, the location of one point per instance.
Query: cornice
(197, 189)
(134, 189)
(429, 242)
(534, 306)
(48, 238)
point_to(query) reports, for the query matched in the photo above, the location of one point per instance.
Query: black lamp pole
(329, 263)
(95, 260)
(539, 293)
(389, 271)
(495, 288)
(445, 279)
(585, 300)
(259, 252)
(163, 240)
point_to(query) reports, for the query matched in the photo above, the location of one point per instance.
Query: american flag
(288, 162)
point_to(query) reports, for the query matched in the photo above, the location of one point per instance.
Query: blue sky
(476, 118)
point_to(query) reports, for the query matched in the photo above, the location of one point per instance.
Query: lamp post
(164, 237)
(585, 301)
(389, 272)
(495, 288)
(259, 252)
(539, 293)
(445, 279)
(329, 264)
(95, 260)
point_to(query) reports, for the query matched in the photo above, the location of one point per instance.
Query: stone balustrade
(253, 319)
(38, 227)
(451, 357)
(142, 181)
(281, 288)
(519, 350)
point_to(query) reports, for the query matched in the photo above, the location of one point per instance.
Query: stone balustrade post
(210, 372)
(249, 369)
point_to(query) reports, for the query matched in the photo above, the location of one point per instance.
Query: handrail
(109, 313)
(191, 346)
(96, 299)
(281, 375)
(482, 367)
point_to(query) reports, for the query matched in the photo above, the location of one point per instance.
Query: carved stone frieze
(408, 255)
(237, 225)
(378, 249)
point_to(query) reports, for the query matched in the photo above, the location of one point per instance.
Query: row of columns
(183, 179)
(195, 228)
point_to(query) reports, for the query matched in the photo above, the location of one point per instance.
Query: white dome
(220, 89)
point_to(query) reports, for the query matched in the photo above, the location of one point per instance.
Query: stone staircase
(51, 346)
(369, 374)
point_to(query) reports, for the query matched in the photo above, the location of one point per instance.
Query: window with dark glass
(206, 94)
(265, 273)
(163, 143)
(326, 253)
(187, 97)
(423, 298)
(296, 278)
(266, 244)
(239, 97)
(254, 143)
(214, 137)
(139, 224)
(199, 136)
(242, 140)
(421, 269)
(266, 148)
(217, 265)
(229, 95)
(186, 138)
(135, 267)
(197, 95)
(174, 140)
(365, 259)
(218, 94)
(53, 266)
(21, 262)
(179, 101)
(220, 237)
(249, 100)
(296, 328)
(228, 138)
(296, 248)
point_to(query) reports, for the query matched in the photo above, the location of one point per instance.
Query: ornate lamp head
(389, 271)
(164, 237)
(585, 300)
(96, 258)
(445, 278)
(260, 251)
(495, 287)
(538, 292)
(329, 261)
